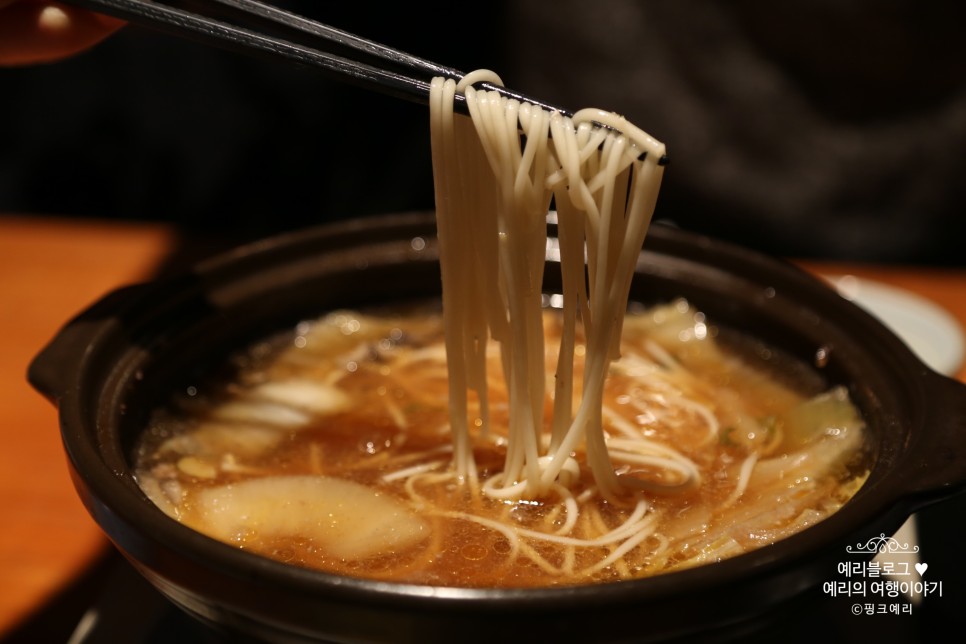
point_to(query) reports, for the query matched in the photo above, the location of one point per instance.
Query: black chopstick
(260, 29)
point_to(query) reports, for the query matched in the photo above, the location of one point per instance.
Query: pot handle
(939, 463)
(53, 369)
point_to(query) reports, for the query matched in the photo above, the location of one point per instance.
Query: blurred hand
(42, 31)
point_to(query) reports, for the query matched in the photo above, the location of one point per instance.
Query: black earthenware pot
(108, 367)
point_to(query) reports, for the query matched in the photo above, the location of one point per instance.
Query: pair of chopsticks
(256, 28)
(261, 29)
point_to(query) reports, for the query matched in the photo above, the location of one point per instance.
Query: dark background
(805, 128)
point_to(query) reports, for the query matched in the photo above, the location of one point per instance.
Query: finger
(40, 31)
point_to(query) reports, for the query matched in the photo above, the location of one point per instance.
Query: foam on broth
(330, 448)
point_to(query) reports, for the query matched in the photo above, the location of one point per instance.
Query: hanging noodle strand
(604, 182)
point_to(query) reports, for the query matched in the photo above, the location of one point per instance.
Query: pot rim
(112, 496)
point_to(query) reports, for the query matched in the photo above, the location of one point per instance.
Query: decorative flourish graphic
(882, 543)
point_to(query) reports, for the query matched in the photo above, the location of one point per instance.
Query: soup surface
(330, 448)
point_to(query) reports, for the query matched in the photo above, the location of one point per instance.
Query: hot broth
(331, 449)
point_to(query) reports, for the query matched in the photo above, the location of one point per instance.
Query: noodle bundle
(495, 176)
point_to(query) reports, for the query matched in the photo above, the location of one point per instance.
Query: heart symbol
(921, 568)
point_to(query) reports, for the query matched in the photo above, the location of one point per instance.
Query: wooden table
(49, 270)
